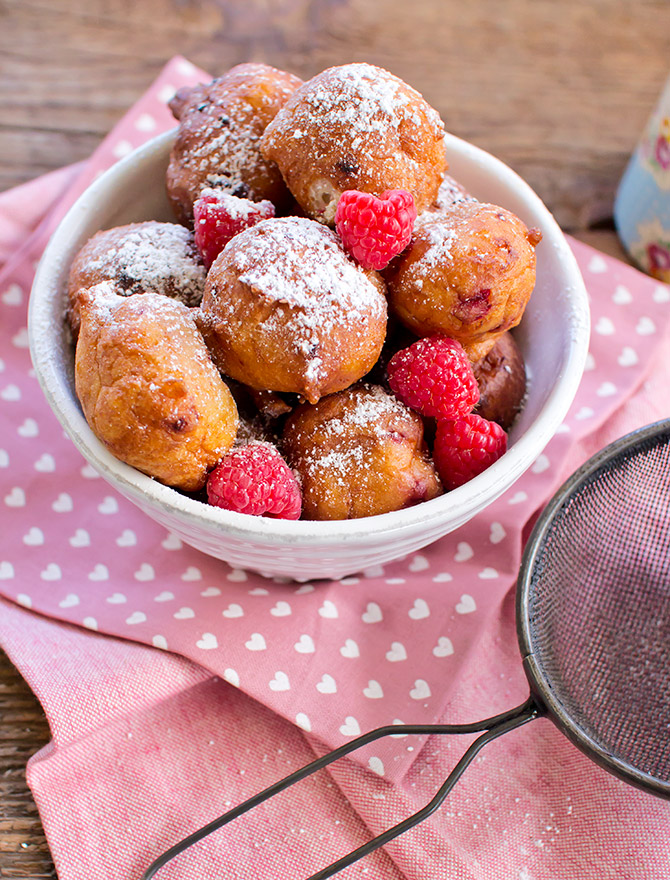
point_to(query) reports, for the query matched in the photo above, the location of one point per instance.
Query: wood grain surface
(558, 90)
(23, 730)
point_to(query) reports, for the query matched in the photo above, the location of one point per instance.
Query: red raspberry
(255, 479)
(374, 230)
(219, 217)
(434, 377)
(465, 447)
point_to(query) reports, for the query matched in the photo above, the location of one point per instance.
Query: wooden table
(558, 90)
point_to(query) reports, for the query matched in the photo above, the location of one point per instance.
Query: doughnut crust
(148, 388)
(359, 453)
(147, 257)
(468, 273)
(217, 144)
(451, 193)
(501, 377)
(356, 127)
(285, 309)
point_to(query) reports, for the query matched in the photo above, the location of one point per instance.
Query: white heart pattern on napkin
(421, 690)
(467, 605)
(305, 645)
(372, 614)
(280, 682)
(397, 653)
(327, 685)
(207, 642)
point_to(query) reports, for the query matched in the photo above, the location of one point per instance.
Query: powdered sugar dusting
(364, 100)
(236, 208)
(451, 193)
(299, 263)
(372, 413)
(338, 463)
(167, 318)
(372, 407)
(226, 157)
(225, 151)
(103, 299)
(149, 257)
(361, 99)
(440, 238)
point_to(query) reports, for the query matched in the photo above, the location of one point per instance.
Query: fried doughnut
(359, 453)
(285, 309)
(148, 388)
(451, 193)
(501, 377)
(356, 127)
(147, 257)
(468, 273)
(217, 144)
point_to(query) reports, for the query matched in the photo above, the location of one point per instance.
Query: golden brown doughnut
(359, 453)
(147, 257)
(285, 309)
(148, 388)
(501, 377)
(468, 273)
(356, 127)
(217, 144)
(451, 193)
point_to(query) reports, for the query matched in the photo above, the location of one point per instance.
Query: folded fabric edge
(87, 645)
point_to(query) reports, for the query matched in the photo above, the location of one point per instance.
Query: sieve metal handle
(493, 727)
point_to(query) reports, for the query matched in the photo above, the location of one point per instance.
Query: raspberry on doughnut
(356, 127)
(217, 144)
(434, 377)
(255, 479)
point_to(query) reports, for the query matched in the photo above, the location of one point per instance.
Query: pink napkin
(176, 686)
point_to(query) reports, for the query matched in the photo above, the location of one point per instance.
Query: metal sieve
(593, 622)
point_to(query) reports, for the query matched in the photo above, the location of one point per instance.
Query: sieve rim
(541, 687)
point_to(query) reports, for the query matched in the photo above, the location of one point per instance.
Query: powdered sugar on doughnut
(373, 407)
(371, 412)
(230, 135)
(299, 263)
(148, 257)
(102, 300)
(175, 320)
(440, 238)
(360, 99)
(226, 151)
(451, 193)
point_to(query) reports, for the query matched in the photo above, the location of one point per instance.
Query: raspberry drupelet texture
(434, 377)
(219, 216)
(255, 479)
(375, 229)
(465, 447)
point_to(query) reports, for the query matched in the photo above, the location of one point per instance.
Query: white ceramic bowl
(553, 337)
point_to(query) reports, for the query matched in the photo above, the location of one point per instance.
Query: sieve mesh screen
(598, 607)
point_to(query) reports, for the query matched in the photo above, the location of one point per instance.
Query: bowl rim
(459, 502)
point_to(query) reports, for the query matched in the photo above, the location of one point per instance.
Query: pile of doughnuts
(285, 337)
